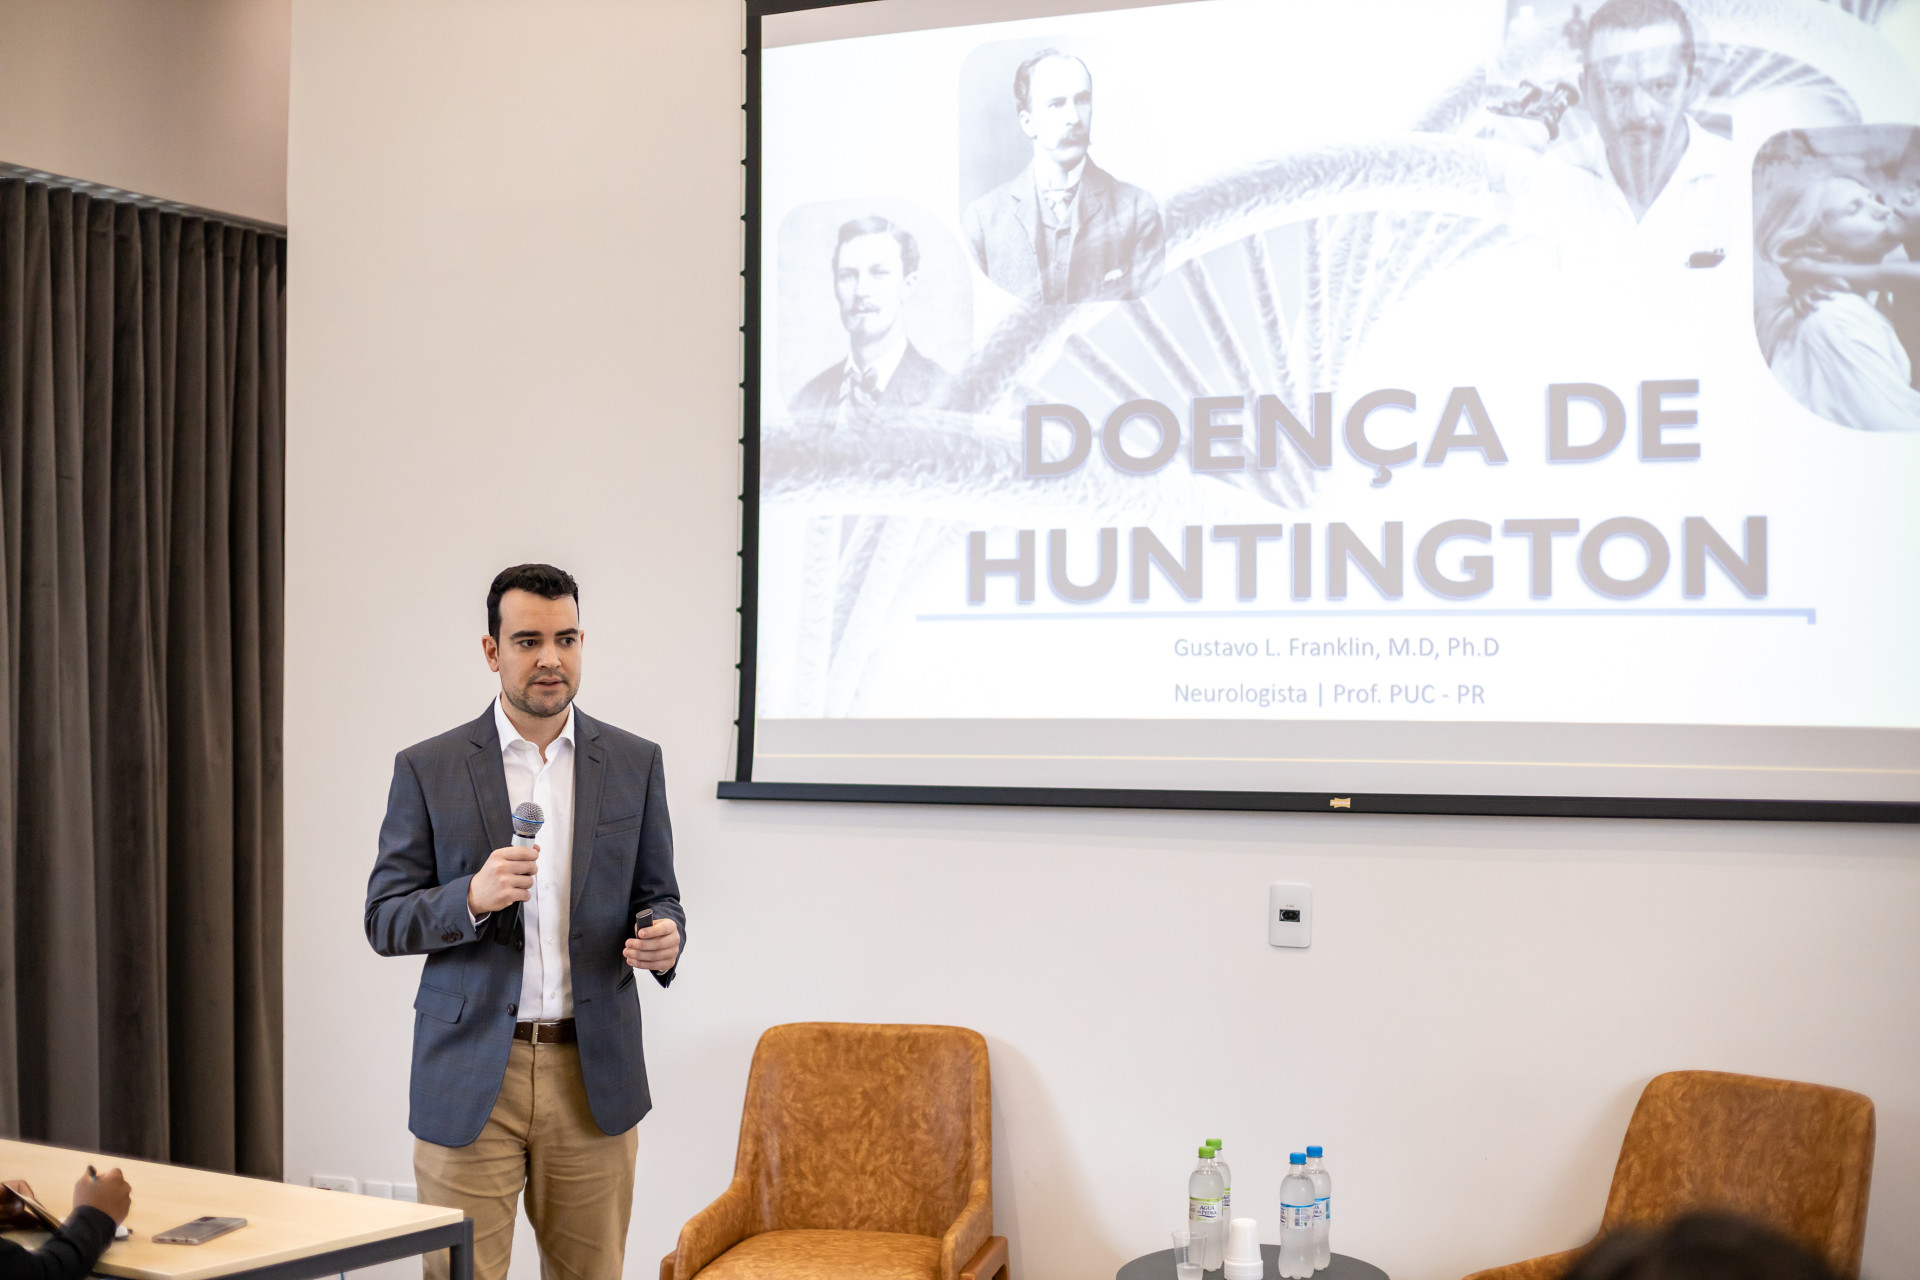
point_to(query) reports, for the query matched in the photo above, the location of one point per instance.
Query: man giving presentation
(527, 1064)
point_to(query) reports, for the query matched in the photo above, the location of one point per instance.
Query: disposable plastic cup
(1187, 1248)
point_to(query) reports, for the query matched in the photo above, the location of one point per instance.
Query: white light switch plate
(1290, 915)
(335, 1182)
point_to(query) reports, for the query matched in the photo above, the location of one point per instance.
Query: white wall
(513, 336)
(185, 99)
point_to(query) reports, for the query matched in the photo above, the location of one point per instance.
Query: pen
(92, 1174)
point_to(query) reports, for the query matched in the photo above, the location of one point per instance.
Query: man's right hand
(110, 1194)
(506, 879)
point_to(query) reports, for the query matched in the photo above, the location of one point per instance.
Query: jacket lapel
(1096, 189)
(589, 776)
(489, 774)
(489, 781)
(1025, 197)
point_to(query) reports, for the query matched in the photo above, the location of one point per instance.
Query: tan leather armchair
(1796, 1156)
(866, 1153)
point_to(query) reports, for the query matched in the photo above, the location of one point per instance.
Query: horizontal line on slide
(1063, 616)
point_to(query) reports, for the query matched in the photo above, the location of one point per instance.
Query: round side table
(1159, 1266)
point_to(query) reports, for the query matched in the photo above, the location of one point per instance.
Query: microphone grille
(528, 818)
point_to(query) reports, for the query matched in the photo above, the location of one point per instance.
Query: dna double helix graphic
(1355, 227)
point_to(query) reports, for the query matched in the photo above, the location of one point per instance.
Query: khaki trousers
(541, 1136)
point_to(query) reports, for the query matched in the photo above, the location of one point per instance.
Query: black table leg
(460, 1256)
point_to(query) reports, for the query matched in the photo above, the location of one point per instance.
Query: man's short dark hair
(541, 579)
(877, 226)
(1702, 1245)
(1636, 15)
(1023, 76)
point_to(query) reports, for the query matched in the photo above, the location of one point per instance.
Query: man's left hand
(655, 947)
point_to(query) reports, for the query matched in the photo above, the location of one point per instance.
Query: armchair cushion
(828, 1255)
(861, 1127)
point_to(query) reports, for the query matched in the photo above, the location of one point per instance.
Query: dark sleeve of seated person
(98, 1207)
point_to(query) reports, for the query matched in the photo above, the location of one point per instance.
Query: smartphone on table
(199, 1231)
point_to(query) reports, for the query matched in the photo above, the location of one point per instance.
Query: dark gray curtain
(141, 497)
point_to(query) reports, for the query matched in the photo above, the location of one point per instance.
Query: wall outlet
(378, 1190)
(335, 1182)
(1290, 915)
(406, 1191)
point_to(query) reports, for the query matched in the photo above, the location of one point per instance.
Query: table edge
(293, 1253)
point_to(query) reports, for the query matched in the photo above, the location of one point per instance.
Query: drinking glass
(1188, 1248)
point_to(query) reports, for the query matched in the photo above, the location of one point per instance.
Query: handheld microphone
(528, 818)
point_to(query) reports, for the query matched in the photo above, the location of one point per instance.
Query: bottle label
(1200, 1210)
(1296, 1215)
(1323, 1208)
(1226, 1200)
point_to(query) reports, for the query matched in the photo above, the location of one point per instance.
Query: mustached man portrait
(1063, 229)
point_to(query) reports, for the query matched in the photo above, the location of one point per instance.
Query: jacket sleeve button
(513, 1008)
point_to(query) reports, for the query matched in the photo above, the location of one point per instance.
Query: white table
(292, 1233)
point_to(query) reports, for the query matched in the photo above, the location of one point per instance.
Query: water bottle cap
(1314, 1153)
(1298, 1157)
(1206, 1153)
(1214, 1143)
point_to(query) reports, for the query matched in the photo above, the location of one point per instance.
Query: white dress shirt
(546, 983)
(875, 377)
(1059, 200)
(1576, 203)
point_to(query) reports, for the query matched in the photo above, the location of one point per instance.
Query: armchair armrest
(709, 1233)
(969, 1231)
(1548, 1266)
(990, 1263)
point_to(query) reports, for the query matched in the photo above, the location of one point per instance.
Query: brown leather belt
(560, 1032)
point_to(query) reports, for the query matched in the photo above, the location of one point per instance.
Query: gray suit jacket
(915, 382)
(1118, 250)
(446, 811)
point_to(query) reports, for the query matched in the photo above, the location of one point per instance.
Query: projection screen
(1437, 405)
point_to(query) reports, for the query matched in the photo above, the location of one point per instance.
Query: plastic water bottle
(1322, 1207)
(1226, 1180)
(1206, 1202)
(1296, 1220)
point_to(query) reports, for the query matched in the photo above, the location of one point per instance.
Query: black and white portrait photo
(1630, 171)
(1061, 229)
(874, 302)
(1837, 271)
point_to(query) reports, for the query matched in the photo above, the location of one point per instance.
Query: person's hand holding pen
(108, 1192)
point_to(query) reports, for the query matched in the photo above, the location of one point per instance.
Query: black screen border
(743, 787)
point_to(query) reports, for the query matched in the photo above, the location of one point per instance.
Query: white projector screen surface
(1453, 397)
